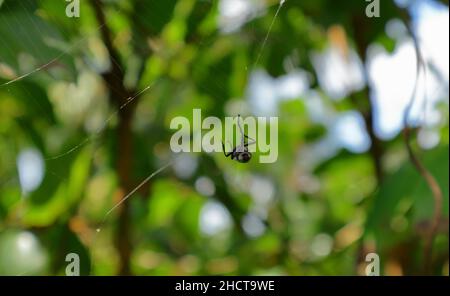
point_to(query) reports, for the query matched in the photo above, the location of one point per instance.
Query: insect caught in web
(240, 153)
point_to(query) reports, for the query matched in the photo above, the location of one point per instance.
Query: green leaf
(29, 42)
(406, 187)
(187, 216)
(59, 191)
(163, 203)
(61, 241)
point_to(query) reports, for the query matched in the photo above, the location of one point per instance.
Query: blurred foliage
(320, 221)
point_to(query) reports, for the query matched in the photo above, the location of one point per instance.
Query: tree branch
(376, 149)
(114, 79)
(420, 167)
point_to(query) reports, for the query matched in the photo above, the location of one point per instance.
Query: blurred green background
(72, 145)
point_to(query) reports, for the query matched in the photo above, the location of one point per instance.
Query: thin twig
(420, 167)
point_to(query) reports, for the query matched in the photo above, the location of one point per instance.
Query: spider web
(70, 51)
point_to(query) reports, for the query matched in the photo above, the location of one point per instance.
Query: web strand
(40, 68)
(264, 43)
(135, 189)
(105, 123)
(120, 202)
(268, 33)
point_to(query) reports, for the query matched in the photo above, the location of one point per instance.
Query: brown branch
(366, 108)
(115, 76)
(114, 79)
(437, 196)
(420, 167)
(376, 149)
